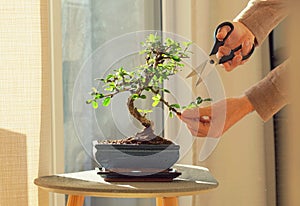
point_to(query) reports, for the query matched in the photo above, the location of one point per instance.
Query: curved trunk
(135, 113)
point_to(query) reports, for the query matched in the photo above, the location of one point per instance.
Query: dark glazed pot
(136, 157)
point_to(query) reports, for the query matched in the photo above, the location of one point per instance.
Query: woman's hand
(214, 120)
(241, 35)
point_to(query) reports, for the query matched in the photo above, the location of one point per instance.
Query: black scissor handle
(231, 55)
(218, 42)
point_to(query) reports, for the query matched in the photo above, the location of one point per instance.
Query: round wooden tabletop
(192, 181)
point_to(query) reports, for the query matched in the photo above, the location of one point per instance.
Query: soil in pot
(147, 136)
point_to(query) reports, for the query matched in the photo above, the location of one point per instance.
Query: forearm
(270, 94)
(262, 16)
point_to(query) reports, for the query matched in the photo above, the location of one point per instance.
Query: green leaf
(151, 38)
(99, 96)
(145, 111)
(171, 114)
(121, 72)
(133, 86)
(180, 65)
(199, 100)
(175, 106)
(143, 96)
(160, 79)
(95, 104)
(135, 96)
(106, 101)
(169, 41)
(186, 44)
(110, 86)
(109, 76)
(157, 97)
(109, 89)
(155, 103)
(165, 90)
(190, 106)
(89, 101)
(176, 58)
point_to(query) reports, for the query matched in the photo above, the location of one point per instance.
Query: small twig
(164, 101)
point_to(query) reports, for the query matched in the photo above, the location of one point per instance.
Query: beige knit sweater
(269, 95)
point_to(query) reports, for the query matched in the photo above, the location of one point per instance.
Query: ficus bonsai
(162, 60)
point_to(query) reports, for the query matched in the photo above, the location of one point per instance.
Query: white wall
(239, 161)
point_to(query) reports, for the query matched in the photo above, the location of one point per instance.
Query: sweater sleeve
(270, 94)
(261, 16)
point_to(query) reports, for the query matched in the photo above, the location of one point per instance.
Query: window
(86, 26)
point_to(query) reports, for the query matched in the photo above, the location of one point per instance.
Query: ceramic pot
(136, 156)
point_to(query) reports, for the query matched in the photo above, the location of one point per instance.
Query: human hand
(214, 120)
(241, 35)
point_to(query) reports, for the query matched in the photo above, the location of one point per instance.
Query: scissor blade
(197, 72)
(206, 70)
(193, 73)
(199, 81)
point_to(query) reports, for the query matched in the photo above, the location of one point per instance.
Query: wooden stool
(192, 181)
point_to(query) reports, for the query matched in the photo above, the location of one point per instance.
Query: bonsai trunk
(135, 113)
(147, 136)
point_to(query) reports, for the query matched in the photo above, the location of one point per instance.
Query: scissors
(213, 60)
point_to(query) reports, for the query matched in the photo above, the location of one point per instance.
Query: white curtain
(25, 128)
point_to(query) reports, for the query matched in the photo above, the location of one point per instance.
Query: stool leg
(75, 200)
(166, 201)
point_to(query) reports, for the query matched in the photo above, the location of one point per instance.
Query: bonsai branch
(164, 101)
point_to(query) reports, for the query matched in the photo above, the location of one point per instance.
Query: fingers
(223, 32)
(223, 51)
(227, 66)
(238, 58)
(246, 47)
(202, 125)
(198, 129)
(195, 113)
(199, 125)
(190, 113)
(236, 61)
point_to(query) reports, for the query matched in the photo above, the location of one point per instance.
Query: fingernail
(205, 119)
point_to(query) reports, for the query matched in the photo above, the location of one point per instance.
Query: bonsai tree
(162, 60)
